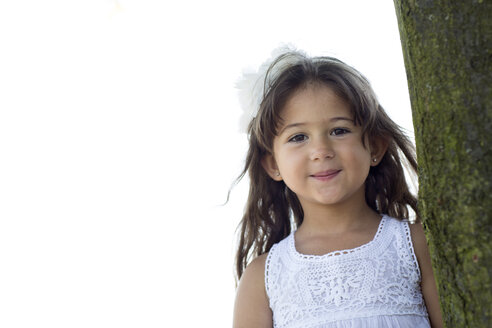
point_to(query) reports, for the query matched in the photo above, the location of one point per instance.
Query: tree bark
(447, 48)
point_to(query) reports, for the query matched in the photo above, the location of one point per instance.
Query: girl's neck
(337, 219)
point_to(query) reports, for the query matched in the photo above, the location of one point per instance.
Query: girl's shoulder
(418, 235)
(428, 283)
(253, 279)
(257, 266)
(251, 298)
(419, 242)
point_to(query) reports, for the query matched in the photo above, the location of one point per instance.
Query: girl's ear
(270, 165)
(378, 149)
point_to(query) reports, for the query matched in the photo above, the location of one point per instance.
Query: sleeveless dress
(374, 285)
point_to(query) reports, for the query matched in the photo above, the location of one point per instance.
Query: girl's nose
(321, 149)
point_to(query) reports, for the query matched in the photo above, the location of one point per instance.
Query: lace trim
(267, 268)
(364, 247)
(408, 238)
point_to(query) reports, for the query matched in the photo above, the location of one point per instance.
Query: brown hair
(272, 209)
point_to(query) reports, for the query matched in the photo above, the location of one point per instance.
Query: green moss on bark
(446, 47)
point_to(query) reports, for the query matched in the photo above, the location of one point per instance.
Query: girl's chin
(323, 201)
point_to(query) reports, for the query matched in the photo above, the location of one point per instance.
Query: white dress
(374, 285)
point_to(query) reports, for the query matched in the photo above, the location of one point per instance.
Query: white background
(119, 141)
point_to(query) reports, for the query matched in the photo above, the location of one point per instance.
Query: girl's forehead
(316, 102)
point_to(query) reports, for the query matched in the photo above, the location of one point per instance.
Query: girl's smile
(325, 175)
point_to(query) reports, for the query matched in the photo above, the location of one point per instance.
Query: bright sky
(119, 141)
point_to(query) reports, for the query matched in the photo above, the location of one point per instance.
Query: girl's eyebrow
(289, 126)
(333, 119)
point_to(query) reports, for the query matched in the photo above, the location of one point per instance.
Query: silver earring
(374, 160)
(277, 174)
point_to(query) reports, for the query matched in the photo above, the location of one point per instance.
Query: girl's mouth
(325, 175)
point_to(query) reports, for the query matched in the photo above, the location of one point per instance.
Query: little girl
(325, 239)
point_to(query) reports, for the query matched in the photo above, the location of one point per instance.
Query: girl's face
(318, 152)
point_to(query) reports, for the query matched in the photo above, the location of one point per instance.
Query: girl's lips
(326, 175)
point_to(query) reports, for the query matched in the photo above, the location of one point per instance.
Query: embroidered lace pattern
(380, 278)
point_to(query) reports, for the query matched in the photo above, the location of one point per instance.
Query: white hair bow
(253, 85)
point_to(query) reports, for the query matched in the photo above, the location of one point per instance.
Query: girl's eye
(298, 138)
(339, 131)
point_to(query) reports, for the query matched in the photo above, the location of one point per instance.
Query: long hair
(272, 209)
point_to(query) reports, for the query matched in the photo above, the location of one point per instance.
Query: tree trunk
(447, 47)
